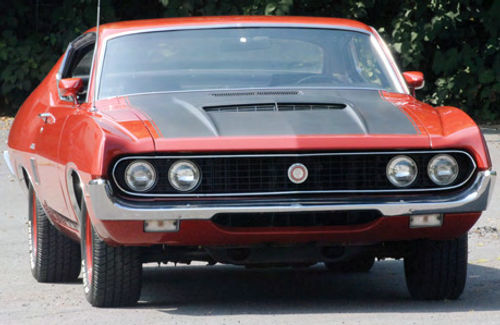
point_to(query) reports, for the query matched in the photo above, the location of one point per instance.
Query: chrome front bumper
(475, 198)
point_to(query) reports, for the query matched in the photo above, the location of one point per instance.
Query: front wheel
(437, 270)
(112, 276)
(53, 256)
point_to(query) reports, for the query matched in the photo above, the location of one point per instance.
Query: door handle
(48, 118)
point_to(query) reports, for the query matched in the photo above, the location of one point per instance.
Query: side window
(82, 68)
(78, 62)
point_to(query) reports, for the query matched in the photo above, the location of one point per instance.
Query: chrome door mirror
(70, 87)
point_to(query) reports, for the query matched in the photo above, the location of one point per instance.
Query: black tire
(437, 270)
(112, 276)
(53, 256)
(360, 264)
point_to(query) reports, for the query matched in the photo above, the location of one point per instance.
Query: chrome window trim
(402, 190)
(393, 75)
(92, 69)
(396, 68)
(60, 72)
(97, 84)
(246, 89)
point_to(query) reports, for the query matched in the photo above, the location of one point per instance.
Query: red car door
(51, 170)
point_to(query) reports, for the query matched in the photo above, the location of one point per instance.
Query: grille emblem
(297, 173)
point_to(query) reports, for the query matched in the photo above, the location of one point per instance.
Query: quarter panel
(26, 129)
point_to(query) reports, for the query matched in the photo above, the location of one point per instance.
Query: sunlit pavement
(219, 294)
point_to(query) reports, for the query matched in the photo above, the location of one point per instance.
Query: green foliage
(455, 43)
(181, 8)
(33, 36)
(35, 33)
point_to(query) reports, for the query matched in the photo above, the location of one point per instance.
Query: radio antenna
(98, 18)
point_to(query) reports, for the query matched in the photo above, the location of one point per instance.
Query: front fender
(458, 130)
(89, 142)
(98, 141)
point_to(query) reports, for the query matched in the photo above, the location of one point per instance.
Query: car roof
(138, 25)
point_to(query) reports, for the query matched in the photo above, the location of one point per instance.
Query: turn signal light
(161, 225)
(426, 220)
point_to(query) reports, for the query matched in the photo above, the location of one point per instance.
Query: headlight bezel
(432, 175)
(163, 188)
(394, 161)
(197, 175)
(150, 168)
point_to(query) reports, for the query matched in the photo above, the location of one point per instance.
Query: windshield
(236, 58)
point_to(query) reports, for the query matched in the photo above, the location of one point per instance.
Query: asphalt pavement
(220, 294)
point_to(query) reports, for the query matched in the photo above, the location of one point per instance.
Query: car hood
(209, 122)
(271, 113)
(274, 120)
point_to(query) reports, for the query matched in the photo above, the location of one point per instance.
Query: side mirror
(70, 87)
(414, 79)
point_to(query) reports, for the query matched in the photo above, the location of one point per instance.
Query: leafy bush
(455, 43)
(34, 34)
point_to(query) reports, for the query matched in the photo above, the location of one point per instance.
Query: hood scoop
(273, 107)
(312, 112)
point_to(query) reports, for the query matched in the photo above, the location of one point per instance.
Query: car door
(51, 171)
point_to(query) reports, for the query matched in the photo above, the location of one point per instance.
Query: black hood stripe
(179, 115)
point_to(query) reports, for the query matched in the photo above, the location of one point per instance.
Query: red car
(256, 141)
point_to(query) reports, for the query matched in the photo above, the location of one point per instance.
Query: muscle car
(255, 141)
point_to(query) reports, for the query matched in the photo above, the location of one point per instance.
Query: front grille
(227, 175)
(273, 107)
(295, 219)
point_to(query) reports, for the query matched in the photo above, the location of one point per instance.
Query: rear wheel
(53, 256)
(437, 270)
(112, 276)
(359, 264)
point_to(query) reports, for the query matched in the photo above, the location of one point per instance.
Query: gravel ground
(220, 294)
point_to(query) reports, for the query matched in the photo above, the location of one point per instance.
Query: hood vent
(274, 107)
(278, 92)
(259, 93)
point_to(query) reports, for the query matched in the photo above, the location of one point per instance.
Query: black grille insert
(295, 219)
(226, 175)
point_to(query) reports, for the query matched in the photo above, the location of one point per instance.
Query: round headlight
(401, 171)
(184, 175)
(442, 169)
(140, 176)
